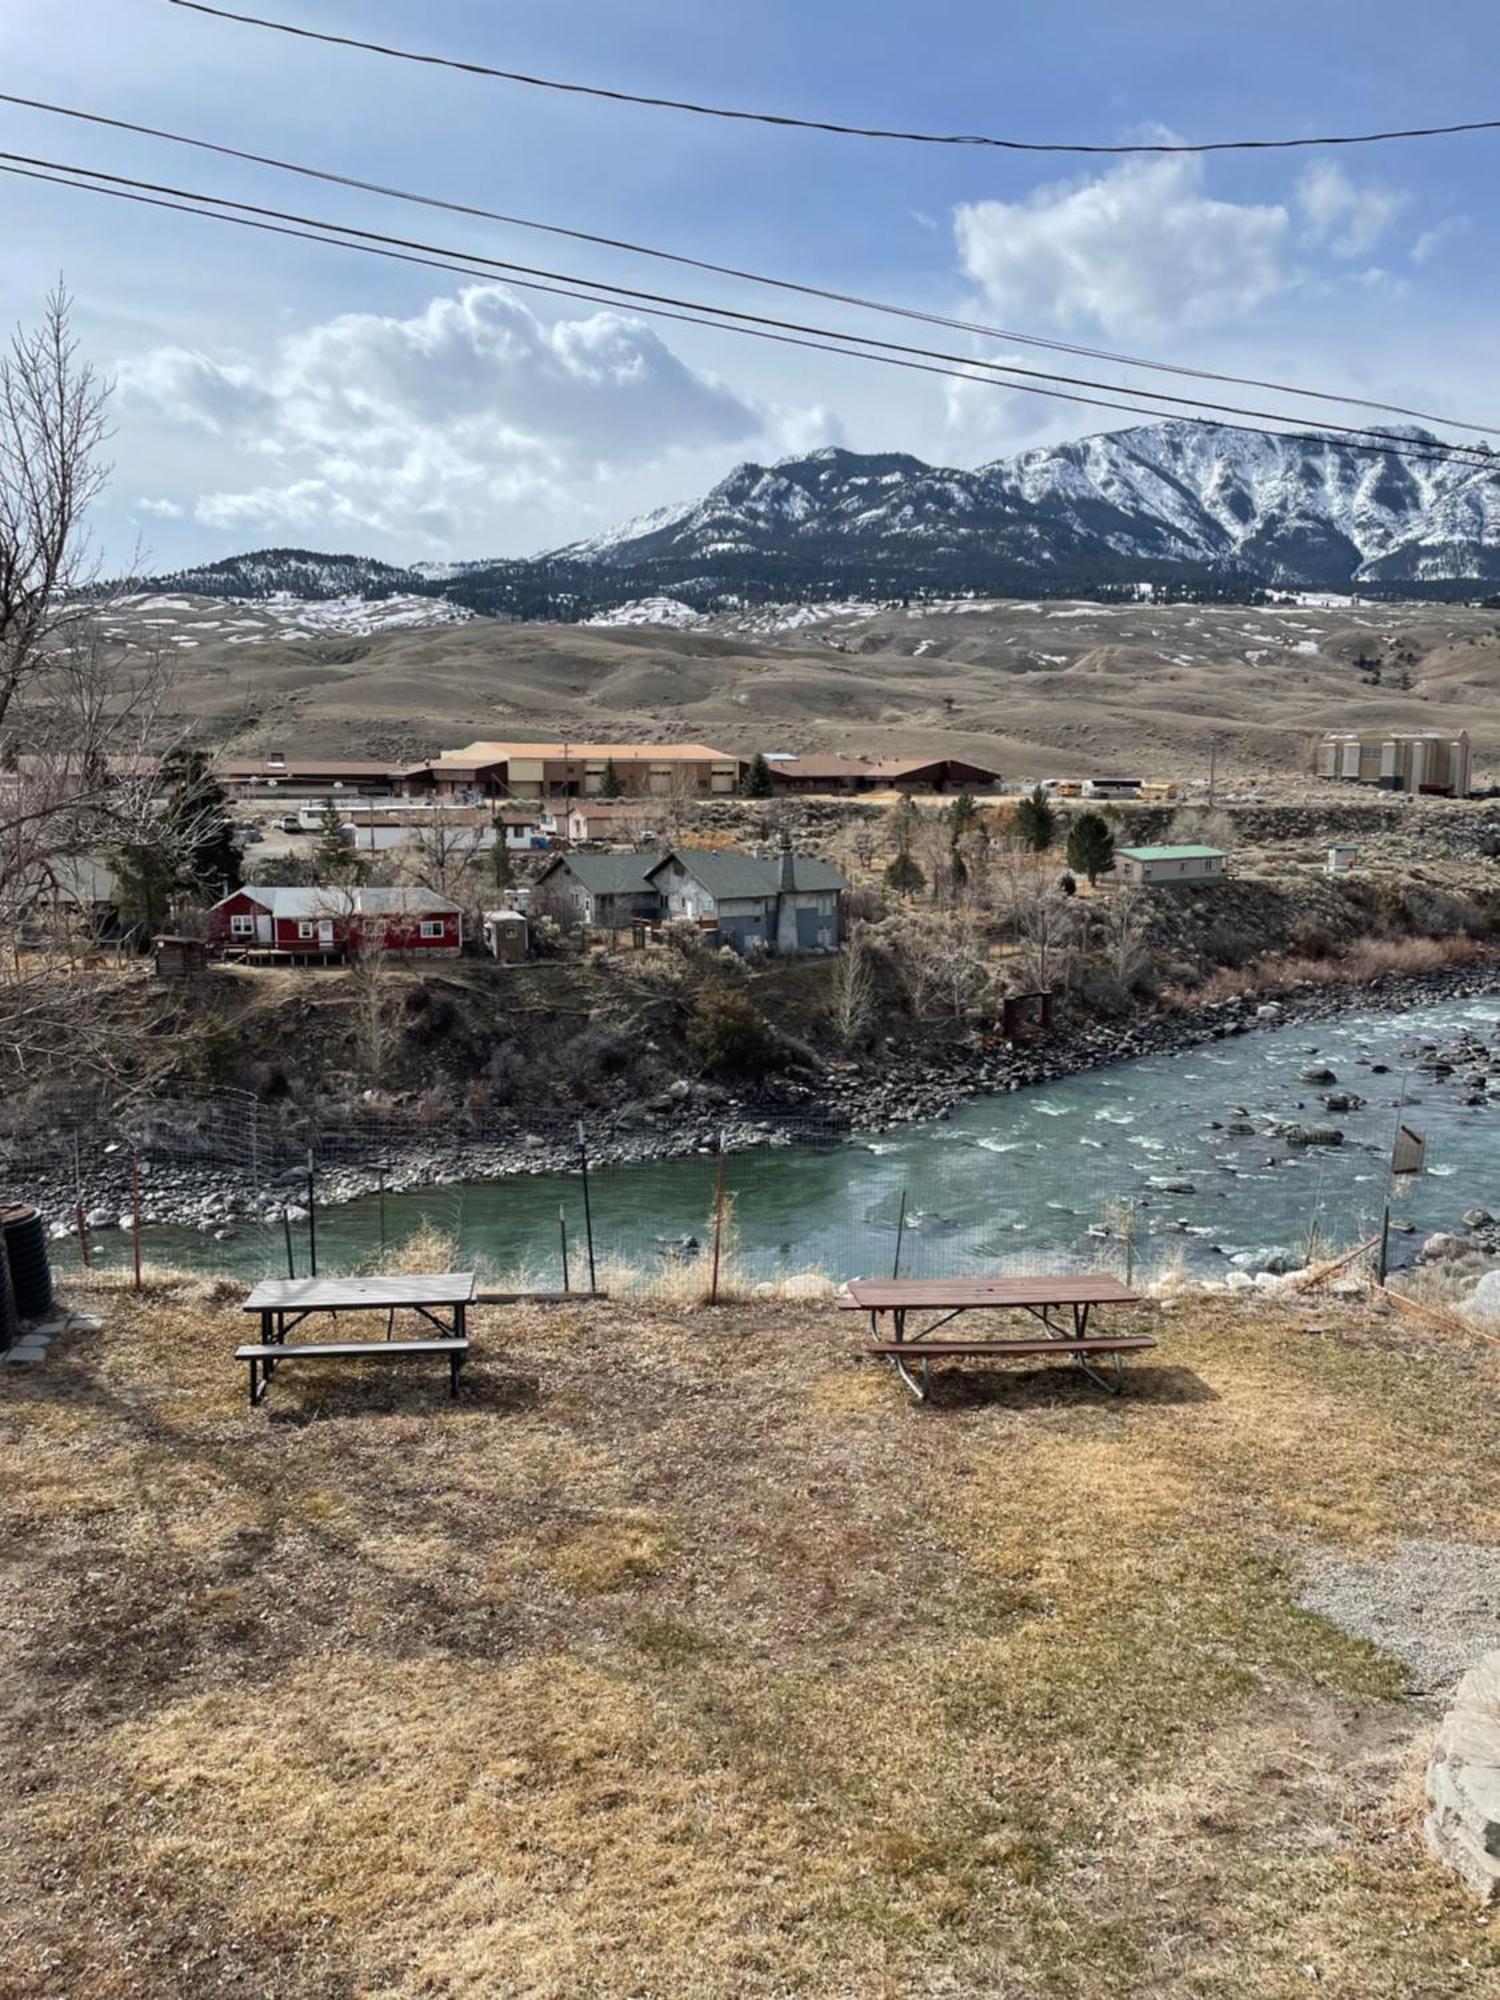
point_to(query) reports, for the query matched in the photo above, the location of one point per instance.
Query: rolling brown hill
(1034, 688)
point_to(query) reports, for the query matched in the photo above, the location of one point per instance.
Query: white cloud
(431, 427)
(165, 510)
(213, 396)
(989, 418)
(1432, 240)
(1341, 216)
(1139, 248)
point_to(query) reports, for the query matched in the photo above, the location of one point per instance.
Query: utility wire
(828, 125)
(913, 313)
(834, 344)
(1013, 373)
(593, 299)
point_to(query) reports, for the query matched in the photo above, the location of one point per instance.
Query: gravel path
(1434, 1605)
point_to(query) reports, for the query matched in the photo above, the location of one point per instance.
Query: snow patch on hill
(668, 611)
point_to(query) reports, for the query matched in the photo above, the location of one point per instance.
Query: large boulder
(1313, 1135)
(1463, 1782)
(1442, 1247)
(1483, 1303)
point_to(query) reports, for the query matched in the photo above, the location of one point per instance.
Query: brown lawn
(688, 1656)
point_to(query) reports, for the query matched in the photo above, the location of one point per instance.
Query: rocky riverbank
(903, 1082)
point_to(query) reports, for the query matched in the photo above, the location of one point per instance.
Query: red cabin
(334, 923)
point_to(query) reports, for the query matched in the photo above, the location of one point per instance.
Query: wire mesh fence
(227, 1184)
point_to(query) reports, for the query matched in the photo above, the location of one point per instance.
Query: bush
(863, 906)
(904, 876)
(729, 1036)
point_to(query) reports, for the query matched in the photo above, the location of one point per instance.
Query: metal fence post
(312, 1216)
(713, 1290)
(83, 1229)
(900, 1233)
(562, 1231)
(380, 1181)
(135, 1215)
(1383, 1256)
(286, 1223)
(588, 1212)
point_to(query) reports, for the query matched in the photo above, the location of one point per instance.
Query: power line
(786, 121)
(594, 299)
(315, 232)
(913, 313)
(1015, 375)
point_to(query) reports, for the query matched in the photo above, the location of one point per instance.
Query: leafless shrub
(82, 735)
(851, 999)
(943, 964)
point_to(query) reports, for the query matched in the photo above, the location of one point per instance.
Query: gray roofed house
(785, 902)
(611, 890)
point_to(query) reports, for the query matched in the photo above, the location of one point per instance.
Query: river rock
(1316, 1073)
(1442, 1247)
(1477, 1218)
(1312, 1135)
(1483, 1302)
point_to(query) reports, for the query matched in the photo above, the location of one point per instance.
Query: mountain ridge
(1164, 502)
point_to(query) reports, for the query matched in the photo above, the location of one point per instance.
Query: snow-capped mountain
(1309, 513)
(1162, 502)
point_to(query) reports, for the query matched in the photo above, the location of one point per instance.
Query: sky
(274, 393)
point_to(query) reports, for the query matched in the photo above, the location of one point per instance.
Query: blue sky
(273, 392)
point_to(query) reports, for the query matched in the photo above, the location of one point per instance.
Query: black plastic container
(30, 1260)
(7, 1304)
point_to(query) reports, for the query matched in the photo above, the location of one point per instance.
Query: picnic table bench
(1043, 1299)
(282, 1304)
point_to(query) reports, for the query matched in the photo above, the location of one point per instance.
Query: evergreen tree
(334, 853)
(1036, 822)
(197, 833)
(904, 875)
(1091, 846)
(962, 815)
(611, 785)
(502, 874)
(758, 778)
(145, 885)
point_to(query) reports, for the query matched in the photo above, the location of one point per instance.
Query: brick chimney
(788, 881)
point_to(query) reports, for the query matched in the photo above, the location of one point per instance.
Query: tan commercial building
(1399, 760)
(577, 771)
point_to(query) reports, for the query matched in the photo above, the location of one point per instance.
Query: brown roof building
(883, 774)
(577, 770)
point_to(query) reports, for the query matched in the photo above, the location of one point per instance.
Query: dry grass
(1361, 965)
(689, 1656)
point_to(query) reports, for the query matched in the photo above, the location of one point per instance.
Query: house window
(307, 930)
(242, 927)
(433, 927)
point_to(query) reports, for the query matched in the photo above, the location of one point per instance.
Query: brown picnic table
(282, 1304)
(1061, 1305)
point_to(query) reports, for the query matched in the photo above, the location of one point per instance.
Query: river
(1071, 1173)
